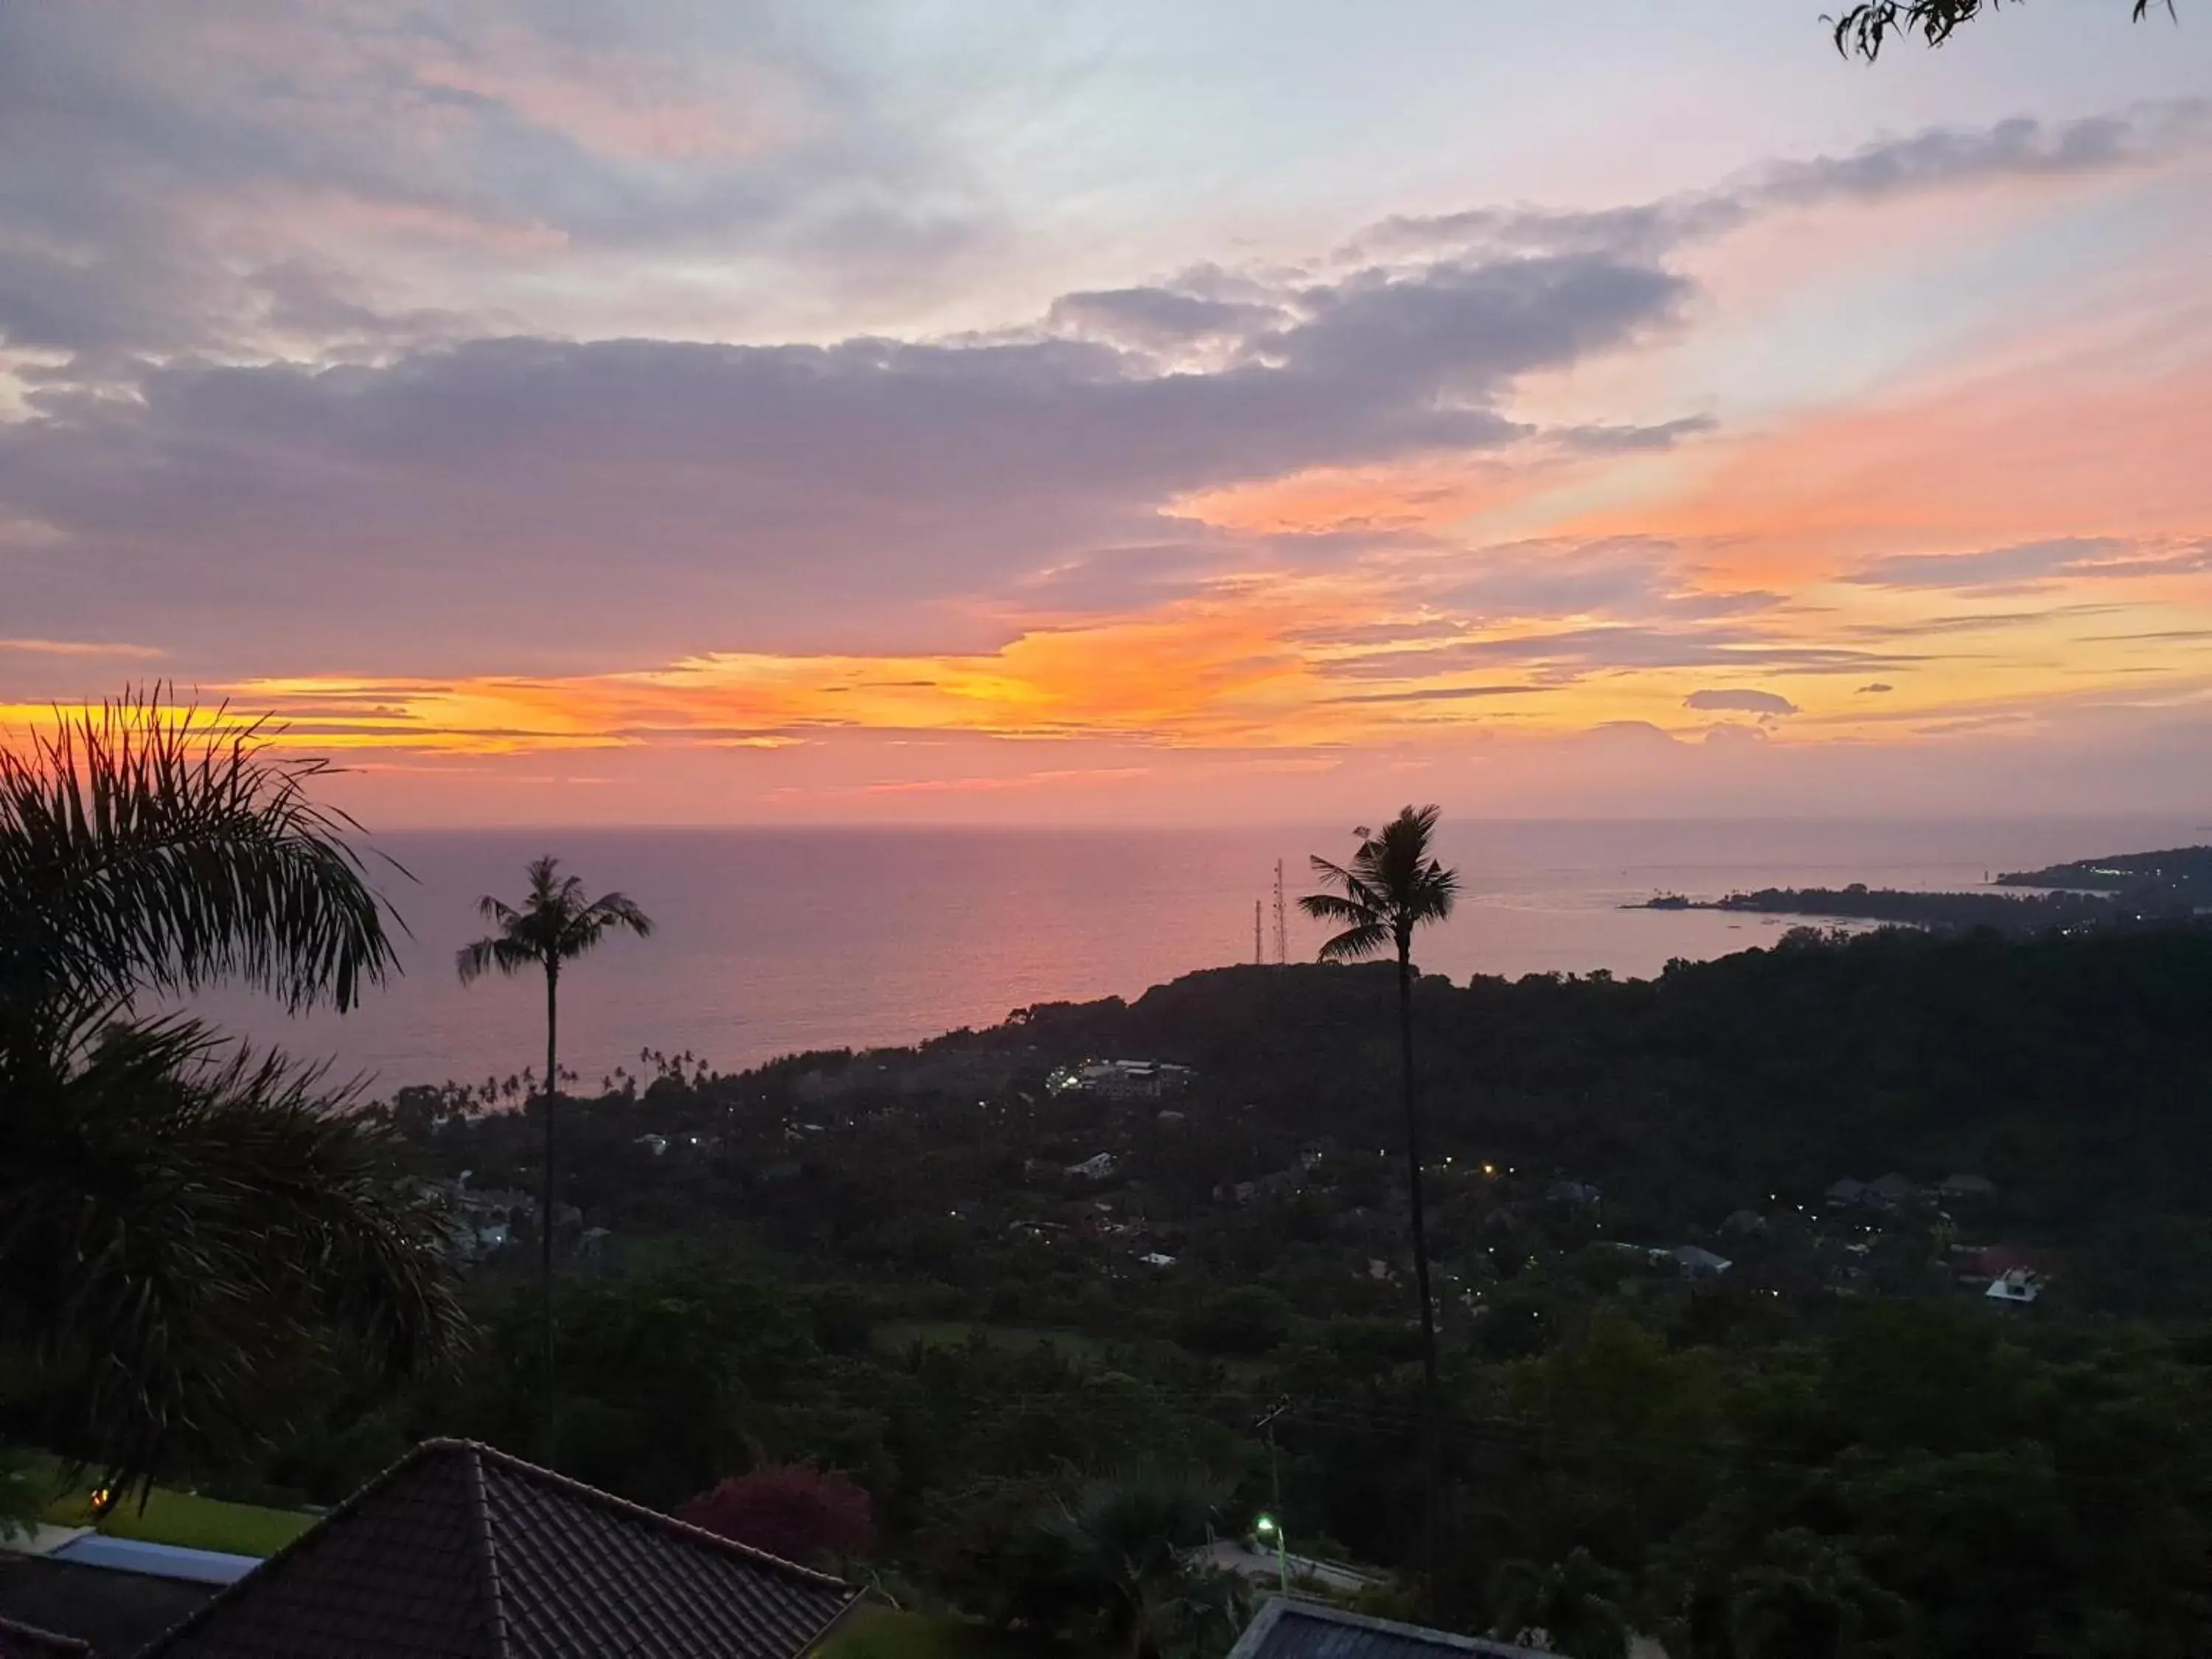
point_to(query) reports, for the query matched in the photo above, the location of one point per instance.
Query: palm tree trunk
(545, 1196)
(1420, 1270)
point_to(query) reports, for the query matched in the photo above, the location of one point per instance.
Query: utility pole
(1275, 1491)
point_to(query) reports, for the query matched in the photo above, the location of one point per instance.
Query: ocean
(773, 940)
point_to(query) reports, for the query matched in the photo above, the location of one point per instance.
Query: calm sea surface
(772, 940)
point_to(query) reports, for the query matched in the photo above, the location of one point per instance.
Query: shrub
(788, 1510)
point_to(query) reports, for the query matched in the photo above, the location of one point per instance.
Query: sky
(563, 411)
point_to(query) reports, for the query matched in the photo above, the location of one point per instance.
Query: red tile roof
(25, 1642)
(463, 1552)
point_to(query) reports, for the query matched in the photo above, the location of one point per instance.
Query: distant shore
(2126, 887)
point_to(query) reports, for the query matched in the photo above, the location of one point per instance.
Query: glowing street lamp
(1265, 1527)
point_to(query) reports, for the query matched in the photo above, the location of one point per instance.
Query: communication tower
(1282, 927)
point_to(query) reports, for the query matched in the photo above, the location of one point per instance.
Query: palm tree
(1394, 885)
(1124, 1553)
(1577, 1603)
(179, 1222)
(554, 924)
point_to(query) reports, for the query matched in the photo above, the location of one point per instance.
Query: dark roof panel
(461, 1552)
(1306, 1630)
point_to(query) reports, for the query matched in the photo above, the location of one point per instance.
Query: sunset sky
(1139, 411)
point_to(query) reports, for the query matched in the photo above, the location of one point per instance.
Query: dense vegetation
(2176, 876)
(882, 1264)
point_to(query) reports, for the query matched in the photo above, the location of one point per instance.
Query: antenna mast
(1258, 954)
(1282, 927)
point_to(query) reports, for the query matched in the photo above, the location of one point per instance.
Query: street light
(1265, 1527)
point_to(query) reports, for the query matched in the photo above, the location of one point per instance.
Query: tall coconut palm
(554, 924)
(1394, 885)
(179, 1224)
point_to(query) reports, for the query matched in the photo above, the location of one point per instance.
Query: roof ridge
(220, 1601)
(52, 1640)
(568, 1487)
(487, 1552)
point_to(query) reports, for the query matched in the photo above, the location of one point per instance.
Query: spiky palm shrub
(179, 1222)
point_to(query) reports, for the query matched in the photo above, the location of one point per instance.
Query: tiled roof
(463, 1552)
(23, 1642)
(1308, 1630)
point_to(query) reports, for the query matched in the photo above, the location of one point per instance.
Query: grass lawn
(188, 1522)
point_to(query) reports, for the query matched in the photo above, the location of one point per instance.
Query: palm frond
(182, 1225)
(146, 847)
(1392, 887)
(502, 952)
(1863, 29)
(1330, 907)
(553, 924)
(1354, 943)
(620, 910)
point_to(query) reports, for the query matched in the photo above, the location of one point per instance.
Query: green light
(1265, 1523)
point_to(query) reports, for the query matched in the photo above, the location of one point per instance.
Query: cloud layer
(651, 381)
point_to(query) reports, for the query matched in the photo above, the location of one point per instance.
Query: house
(1847, 1192)
(1287, 1628)
(1745, 1222)
(1994, 1262)
(461, 1551)
(2019, 1288)
(1157, 1259)
(1698, 1263)
(110, 1595)
(1966, 1189)
(1097, 1167)
(1573, 1192)
(1891, 1191)
(1120, 1079)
